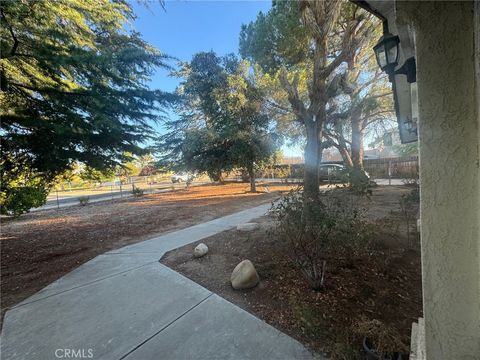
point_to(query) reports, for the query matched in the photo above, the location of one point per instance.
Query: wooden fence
(395, 168)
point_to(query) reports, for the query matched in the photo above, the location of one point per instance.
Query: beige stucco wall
(448, 80)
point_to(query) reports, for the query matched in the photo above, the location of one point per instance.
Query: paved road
(66, 201)
(66, 196)
(124, 304)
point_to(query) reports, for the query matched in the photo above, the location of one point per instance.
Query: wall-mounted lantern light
(386, 52)
(410, 126)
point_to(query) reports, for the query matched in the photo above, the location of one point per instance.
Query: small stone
(200, 250)
(248, 227)
(244, 276)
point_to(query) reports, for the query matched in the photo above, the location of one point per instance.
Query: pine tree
(73, 87)
(222, 125)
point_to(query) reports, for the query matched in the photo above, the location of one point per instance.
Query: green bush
(319, 229)
(282, 172)
(414, 195)
(137, 192)
(357, 181)
(84, 200)
(16, 201)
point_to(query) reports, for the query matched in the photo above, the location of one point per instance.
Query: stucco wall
(449, 172)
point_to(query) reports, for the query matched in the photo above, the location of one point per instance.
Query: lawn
(40, 247)
(383, 286)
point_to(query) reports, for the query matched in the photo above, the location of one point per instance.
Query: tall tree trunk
(345, 156)
(311, 160)
(251, 174)
(342, 147)
(357, 144)
(320, 146)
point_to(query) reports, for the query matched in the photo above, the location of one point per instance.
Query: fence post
(121, 194)
(111, 190)
(58, 203)
(389, 172)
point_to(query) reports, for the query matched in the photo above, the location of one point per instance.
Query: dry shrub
(322, 228)
(384, 339)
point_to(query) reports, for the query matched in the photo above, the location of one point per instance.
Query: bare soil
(384, 285)
(40, 247)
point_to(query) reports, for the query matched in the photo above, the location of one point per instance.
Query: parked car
(182, 177)
(331, 172)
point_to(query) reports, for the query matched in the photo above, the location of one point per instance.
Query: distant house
(390, 140)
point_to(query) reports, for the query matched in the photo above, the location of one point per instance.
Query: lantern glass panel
(392, 52)
(381, 57)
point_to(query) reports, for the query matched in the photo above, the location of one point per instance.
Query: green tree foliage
(73, 86)
(222, 125)
(21, 189)
(284, 41)
(406, 149)
(92, 175)
(303, 45)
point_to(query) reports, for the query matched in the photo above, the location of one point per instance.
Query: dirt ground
(38, 248)
(384, 285)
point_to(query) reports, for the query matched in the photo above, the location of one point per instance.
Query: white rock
(200, 250)
(244, 276)
(248, 226)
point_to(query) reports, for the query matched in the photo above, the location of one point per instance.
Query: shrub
(319, 229)
(16, 201)
(358, 181)
(84, 200)
(136, 191)
(414, 195)
(409, 210)
(282, 172)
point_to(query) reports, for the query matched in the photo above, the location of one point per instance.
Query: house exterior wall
(448, 80)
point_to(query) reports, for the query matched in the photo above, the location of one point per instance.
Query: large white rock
(248, 227)
(244, 276)
(200, 250)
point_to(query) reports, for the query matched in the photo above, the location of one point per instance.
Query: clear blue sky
(187, 27)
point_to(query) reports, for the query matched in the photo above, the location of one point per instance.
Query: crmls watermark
(74, 353)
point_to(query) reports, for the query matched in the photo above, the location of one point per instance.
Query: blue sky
(187, 27)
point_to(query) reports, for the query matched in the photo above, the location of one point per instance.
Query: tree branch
(292, 91)
(15, 40)
(49, 90)
(277, 106)
(337, 136)
(365, 120)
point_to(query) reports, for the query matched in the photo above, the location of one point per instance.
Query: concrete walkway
(124, 304)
